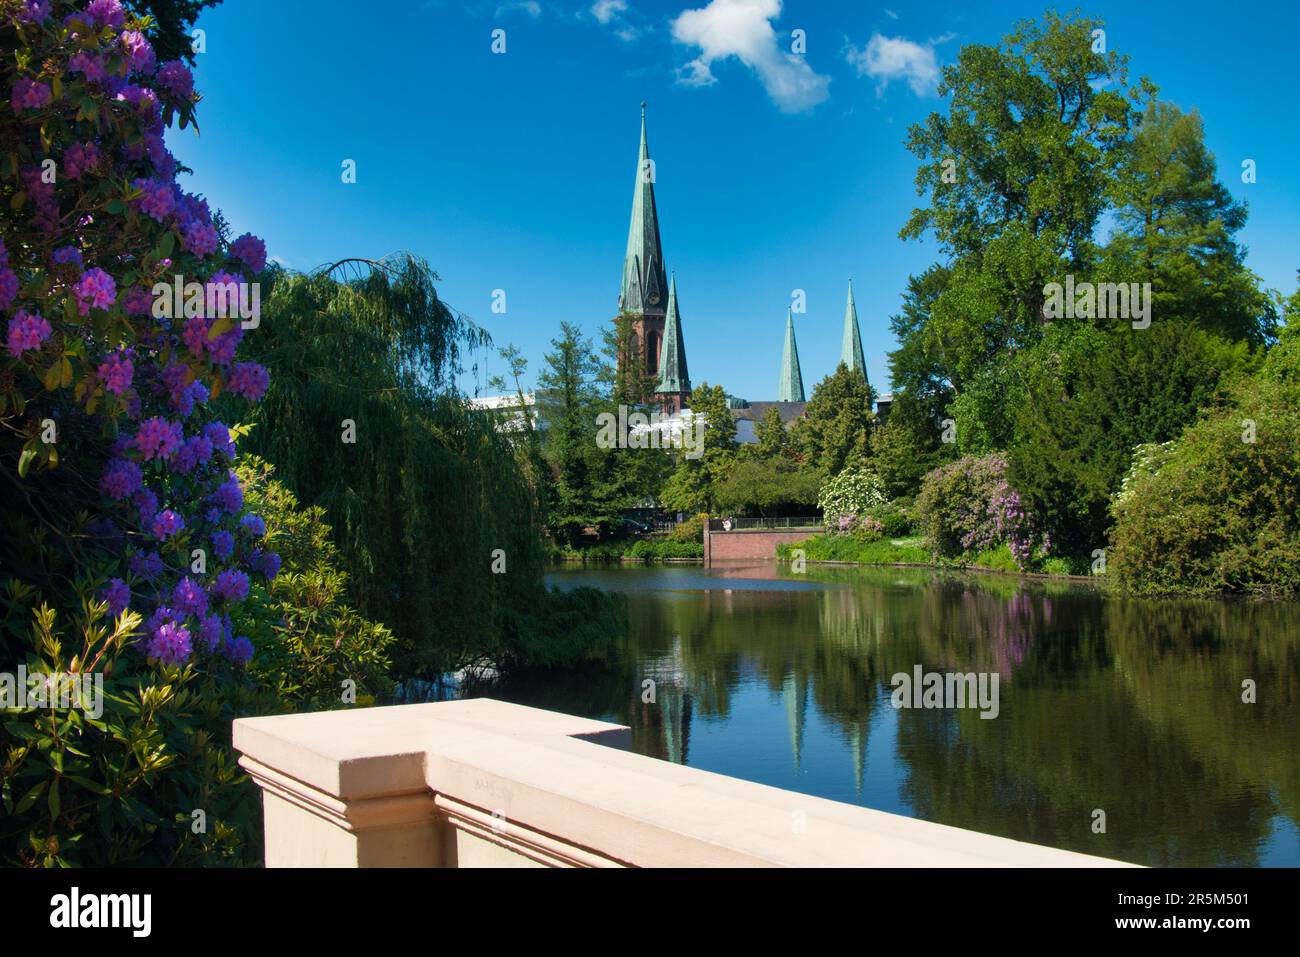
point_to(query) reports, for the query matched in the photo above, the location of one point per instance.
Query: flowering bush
(134, 554)
(93, 379)
(969, 506)
(849, 495)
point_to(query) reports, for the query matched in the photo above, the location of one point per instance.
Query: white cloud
(530, 7)
(605, 10)
(895, 58)
(742, 28)
(614, 14)
(891, 14)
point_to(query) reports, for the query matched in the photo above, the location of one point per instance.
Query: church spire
(644, 281)
(673, 377)
(851, 351)
(790, 388)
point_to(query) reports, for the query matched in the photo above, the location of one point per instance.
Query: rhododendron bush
(96, 380)
(969, 506)
(127, 550)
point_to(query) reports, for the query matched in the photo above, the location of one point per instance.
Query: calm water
(1133, 707)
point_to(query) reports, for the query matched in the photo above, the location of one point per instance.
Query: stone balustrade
(484, 783)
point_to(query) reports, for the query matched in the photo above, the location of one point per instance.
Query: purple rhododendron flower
(158, 438)
(219, 436)
(166, 524)
(8, 287)
(139, 52)
(223, 543)
(27, 331)
(146, 565)
(91, 67)
(29, 94)
(156, 199)
(137, 301)
(254, 524)
(146, 503)
(189, 598)
(80, 158)
(240, 651)
(251, 251)
(229, 496)
(176, 78)
(210, 633)
(116, 372)
(199, 238)
(34, 11)
(121, 479)
(195, 451)
(169, 643)
(231, 585)
(97, 289)
(271, 565)
(67, 254)
(248, 379)
(106, 13)
(117, 595)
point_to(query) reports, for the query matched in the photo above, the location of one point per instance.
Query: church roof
(644, 280)
(851, 350)
(790, 386)
(673, 376)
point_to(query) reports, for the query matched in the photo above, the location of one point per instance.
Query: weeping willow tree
(435, 519)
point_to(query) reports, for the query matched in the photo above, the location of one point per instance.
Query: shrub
(1220, 513)
(969, 506)
(852, 493)
(690, 530)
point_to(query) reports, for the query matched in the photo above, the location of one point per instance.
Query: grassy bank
(642, 550)
(912, 551)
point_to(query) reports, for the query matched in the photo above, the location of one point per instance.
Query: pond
(1110, 712)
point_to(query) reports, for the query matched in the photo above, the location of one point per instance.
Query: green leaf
(30, 797)
(54, 798)
(25, 462)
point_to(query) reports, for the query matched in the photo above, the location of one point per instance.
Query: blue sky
(515, 171)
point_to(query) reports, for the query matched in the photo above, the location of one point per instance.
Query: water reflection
(1131, 707)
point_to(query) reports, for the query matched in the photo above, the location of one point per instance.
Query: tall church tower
(644, 297)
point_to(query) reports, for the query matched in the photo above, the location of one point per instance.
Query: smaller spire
(851, 351)
(790, 387)
(673, 377)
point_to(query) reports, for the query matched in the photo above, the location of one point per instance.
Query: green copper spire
(644, 281)
(673, 377)
(851, 352)
(790, 388)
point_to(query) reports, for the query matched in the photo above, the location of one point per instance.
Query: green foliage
(690, 530)
(648, 550)
(429, 489)
(766, 487)
(835, 430)
(567, 628)
(847, 548)
(773, 438)
(1176, 222)
(311, 640)
(694, 483)
(1218, 512)
(1090, 396)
